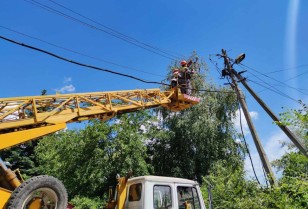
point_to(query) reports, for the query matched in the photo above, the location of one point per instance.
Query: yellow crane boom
(26, 118)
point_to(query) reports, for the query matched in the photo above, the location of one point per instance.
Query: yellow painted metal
(35, 204)
(122, 192)
(5, 196)
(26, 118)
(11, 178)
(13, 138)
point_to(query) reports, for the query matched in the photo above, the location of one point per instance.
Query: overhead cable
(79, 53)
(282, 83)
(117, 32)
(270, 85)
(215, 64)
(50, 9)
(247, 149)
(296, 76)
(287, 69)
(273, 88)
(277, 92)
(101, 69)
(263, 74)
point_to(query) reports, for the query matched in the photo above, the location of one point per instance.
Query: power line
(275, 87)
(52, 10)
(287, 69)
(271, 88)
(271, 78)
(117, 32)
(100, 69)
(79, 53)
(277, 92)
(283, 84)
(253, 168)
(265, 177)
(297, 76)
(215, 64)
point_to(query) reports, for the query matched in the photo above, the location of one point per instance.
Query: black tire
(51, 189)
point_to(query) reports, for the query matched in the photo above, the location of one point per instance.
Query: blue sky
(273, 34)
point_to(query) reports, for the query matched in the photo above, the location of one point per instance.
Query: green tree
(22, 156)
(185, 144)
(87, 160)
(86, 203)
(294, 181)
(230, 189)
(295, 164)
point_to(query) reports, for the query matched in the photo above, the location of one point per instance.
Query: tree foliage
(23, 158)
(187, 143)
(80, 202)
(295, 164)
(88, 160)
(230, 189)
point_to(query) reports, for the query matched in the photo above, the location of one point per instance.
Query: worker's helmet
(175, 70)
(183, 62)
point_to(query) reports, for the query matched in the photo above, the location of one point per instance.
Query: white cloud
(254, 115)
(12, 116)
(241, 117)
(273, 150)
(66, 88)
(67, 79)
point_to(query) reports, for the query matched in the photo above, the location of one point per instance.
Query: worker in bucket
(186, 75)
(175, 77)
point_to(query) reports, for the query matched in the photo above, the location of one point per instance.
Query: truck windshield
(188, 196)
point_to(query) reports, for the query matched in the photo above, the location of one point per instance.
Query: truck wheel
(41, 192)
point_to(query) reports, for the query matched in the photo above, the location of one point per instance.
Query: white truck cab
(157, 192)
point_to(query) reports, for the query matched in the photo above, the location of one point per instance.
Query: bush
(86, 203)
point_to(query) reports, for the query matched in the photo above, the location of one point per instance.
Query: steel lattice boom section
(32, 117)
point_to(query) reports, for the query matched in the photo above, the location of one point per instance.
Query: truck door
(134, 199)
(189, 197)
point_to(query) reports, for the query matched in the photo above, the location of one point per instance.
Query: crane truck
(27, 118)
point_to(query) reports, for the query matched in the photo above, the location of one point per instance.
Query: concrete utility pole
(285, 129)
(262, 154)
